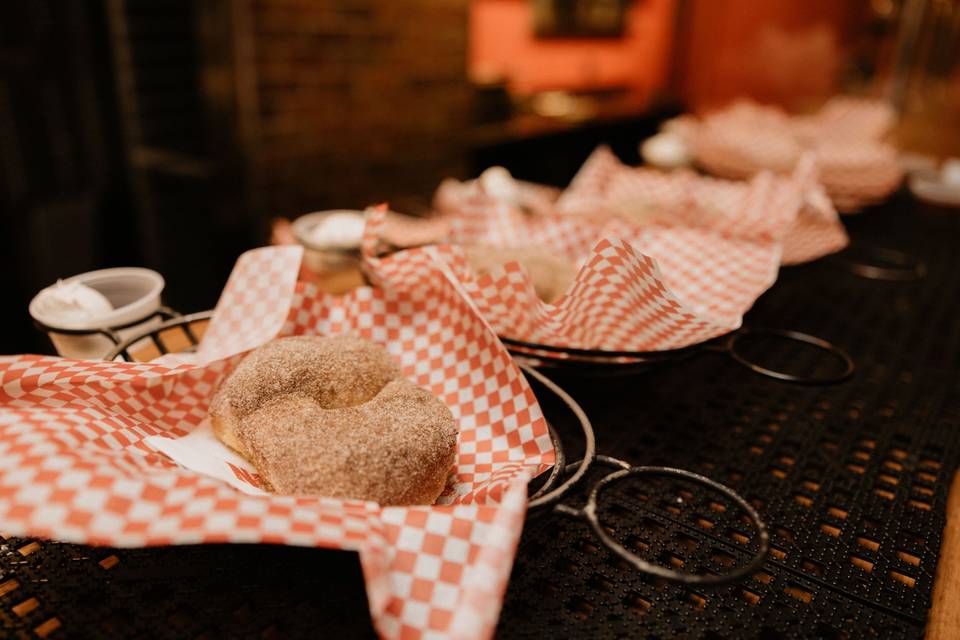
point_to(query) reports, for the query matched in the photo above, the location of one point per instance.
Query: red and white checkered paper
(792, 210)
(638, 289)
(855, 165)
(80, 447)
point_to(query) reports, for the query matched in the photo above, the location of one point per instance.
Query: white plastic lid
(134, 293)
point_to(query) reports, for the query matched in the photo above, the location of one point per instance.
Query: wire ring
(559, 464)
(640, 356)
(596, 368)
(589, 513)
(646, 360)
(903, 267)
(590, 447)
(848, 365)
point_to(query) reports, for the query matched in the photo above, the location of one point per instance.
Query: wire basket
(564, 477)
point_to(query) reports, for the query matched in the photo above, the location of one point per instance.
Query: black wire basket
(599, 362)
(550, 492)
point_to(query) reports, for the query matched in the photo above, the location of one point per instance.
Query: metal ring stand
(559, 464)
(730, 346)
(551, 495)
(881, 264)
(111, 332)
(178, 320)
(646, 356)
(597, 361)
(589, 513)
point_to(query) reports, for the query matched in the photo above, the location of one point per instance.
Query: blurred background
(169, 134)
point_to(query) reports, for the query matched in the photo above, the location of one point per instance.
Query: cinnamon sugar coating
(331, 416)
(396, 449)
(338, 371)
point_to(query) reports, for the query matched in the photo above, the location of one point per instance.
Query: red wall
(778, 51)
(502, 43)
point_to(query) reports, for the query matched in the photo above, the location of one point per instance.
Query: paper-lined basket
(120, 454)
(793, 210)
(637, 289)
(856, 166)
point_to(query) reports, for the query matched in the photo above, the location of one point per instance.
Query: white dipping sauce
(950, 172)
(666, 150)
(498, 183)
(73, 302)
(342, 230)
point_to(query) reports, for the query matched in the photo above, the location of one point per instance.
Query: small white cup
(135, 295)
(320, 259)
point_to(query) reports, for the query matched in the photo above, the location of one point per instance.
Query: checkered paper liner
(637, 289)
(846, 137)
(849, 117)
(793, 210)
(121, 454)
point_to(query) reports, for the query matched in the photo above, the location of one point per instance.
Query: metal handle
(877, 263)
(729, 345)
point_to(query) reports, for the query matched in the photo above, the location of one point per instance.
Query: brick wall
(355, 101)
